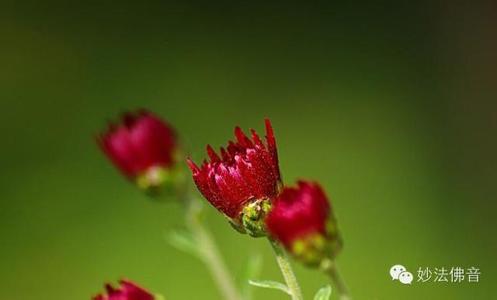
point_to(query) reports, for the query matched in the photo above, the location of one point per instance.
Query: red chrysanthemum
(139, 142)
(298, 212)
(246, 170)
(127, 291)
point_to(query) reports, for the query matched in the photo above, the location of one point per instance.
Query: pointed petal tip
(212, 154)
(239, 135)
(269, 132)
(192, 165)
(269, 126)
(253, 132)
(109, 288)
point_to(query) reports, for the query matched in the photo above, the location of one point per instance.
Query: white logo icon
(396, 270)
(400, 273)
(405, 277)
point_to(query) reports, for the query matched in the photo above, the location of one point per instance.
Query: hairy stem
(286, 270)
(209, 252)
(330, 268)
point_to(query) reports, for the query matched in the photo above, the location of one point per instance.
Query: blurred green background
(390, 105)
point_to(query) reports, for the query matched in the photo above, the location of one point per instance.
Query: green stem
(330, 268)
(286, 270)
(210, 253)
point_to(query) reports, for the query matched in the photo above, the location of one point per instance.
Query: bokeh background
(390, 105)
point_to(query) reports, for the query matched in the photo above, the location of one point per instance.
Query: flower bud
(127, 291)
(144, 148)
(302, 220)
(240, 181)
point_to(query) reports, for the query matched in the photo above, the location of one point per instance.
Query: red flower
(246, 170)
(301, 219)
(127, 291)
(139, 142)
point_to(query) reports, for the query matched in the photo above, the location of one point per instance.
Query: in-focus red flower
(142, 146)
(127, 291)
(246, 171)
(302, 220)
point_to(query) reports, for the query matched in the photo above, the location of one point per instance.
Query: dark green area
(391, 106)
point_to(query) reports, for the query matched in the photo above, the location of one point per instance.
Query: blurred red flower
(127, 291)
(301, 219)
(139, 142)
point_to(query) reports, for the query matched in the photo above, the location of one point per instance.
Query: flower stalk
(209, 253)
(329, 267)
(286, 270)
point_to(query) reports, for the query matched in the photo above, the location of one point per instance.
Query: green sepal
(254, 217)
(161, 182)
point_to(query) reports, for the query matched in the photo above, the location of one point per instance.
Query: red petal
(212, 154)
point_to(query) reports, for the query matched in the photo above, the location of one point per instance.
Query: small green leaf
(268, 284)
(323, 293)
(252, 269)
(184, 241)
